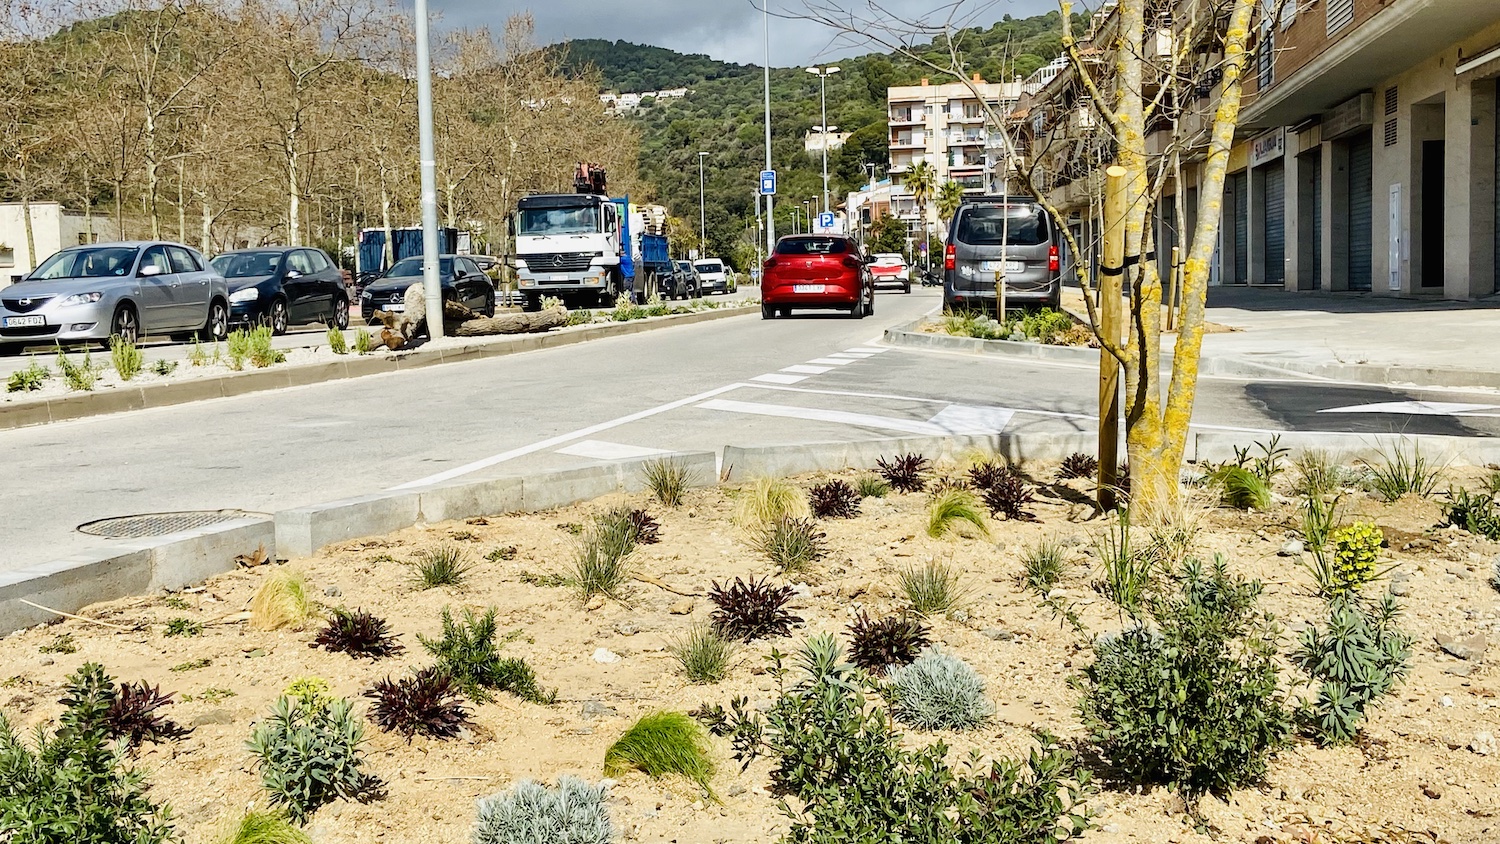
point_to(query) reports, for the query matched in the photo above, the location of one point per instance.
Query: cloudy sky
(729, 30)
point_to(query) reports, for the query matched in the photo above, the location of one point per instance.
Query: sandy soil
(1414, 777)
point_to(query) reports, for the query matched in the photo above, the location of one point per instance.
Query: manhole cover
(159, 524)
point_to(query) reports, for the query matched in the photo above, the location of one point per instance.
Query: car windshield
(412, 268)
(87, 263)
(247, 264)
(813, 246)
(709, 267)
(993, 225)
(543, 221)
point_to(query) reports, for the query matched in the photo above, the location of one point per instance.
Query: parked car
(460, 277)
(487, 264)
(87, 294)
(282, 286)
(990, 236)
(713, 277)
(816, 271)
(891, 270)
(689, 277)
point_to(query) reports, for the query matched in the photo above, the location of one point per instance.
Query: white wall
(52, 229)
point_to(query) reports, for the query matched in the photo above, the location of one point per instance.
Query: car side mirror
(293, 275)
(150, 270)
(868, 261)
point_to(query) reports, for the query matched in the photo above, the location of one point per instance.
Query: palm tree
(921, 180)
(949, 197)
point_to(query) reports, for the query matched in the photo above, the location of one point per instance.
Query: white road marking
(804, 369)
(551, 442)
(815, 414)
(967, 419)
(599, 450)
(832, 361)
(851, 355)
(868, 350)
(1420, 408)
(778, 378)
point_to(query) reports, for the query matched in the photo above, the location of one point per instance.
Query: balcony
(908, 142)
(907, 118)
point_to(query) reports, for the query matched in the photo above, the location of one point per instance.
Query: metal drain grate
(159, 524)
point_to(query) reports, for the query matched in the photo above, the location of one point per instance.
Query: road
(740, 381)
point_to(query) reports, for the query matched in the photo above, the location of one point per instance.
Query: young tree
(949, 196)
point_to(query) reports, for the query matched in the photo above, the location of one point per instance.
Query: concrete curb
(76, 406)
(907, 335)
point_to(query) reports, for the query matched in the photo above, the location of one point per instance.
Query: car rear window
(710, 267)
(993, 225)
(813, 246)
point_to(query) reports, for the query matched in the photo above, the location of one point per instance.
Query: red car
(816, 271)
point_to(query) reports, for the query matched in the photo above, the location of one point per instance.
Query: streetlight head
(702, 154)
(831, 70)
(815, 70)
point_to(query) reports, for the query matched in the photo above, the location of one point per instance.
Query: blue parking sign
(768, 183)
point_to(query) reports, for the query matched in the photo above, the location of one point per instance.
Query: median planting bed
(850, 639)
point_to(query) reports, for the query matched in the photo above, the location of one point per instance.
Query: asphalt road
(739, 381)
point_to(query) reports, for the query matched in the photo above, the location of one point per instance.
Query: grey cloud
(729, 30)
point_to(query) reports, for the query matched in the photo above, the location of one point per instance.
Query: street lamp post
(823, 73)
(702, 215)
(431, 280)
(770, 199)
(807, 213)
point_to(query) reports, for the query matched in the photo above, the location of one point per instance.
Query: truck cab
(568, 246)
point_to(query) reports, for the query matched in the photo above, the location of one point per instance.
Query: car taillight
(950, 257)
(770, 263)
(851, 262)
(1053, 263)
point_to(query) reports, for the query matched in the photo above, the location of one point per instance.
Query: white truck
(569, 246)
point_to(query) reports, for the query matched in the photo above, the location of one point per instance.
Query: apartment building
(53, 227)
(945, 126)
(1371, 151)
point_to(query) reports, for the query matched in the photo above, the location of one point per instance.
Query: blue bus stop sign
(768, 183)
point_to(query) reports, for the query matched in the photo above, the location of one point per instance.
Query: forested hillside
(724, 117)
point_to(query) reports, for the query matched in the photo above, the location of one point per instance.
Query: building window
(1265, 57)
(1340, 14)
(7, 256)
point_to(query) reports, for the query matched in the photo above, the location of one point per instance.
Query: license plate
(1009, 266)
(24, 321)
(557, 278)
(396, 307)
(808, 288)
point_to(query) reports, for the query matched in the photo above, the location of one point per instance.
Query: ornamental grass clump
(601, 566)
(309, 757)
(872, 486)
(1241, 488)
(263, 828)
(662, 744)
(938, 692)
(444, 565)
(359, 634)
(283, 601)
(934, 589)
(794, 545)
(955, 510)
(531, 813)
(767, 501)
(1042, 566)
(703, 654)
(744, 612)
(1192, 699)
(1401, 473)
(667, 479)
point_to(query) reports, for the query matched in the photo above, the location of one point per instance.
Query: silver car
(131, 290)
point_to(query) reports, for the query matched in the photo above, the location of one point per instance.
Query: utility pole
(770, 199)
(1111, 316)
(431, 277)
(702, 215)
(823, 73)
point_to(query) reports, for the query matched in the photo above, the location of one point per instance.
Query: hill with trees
(627, 68)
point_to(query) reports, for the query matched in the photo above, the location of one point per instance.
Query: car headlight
(81, 299)
(249, 294)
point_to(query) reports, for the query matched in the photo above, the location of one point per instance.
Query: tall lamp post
(823, 73)
(770, 199)
(702, 215)
(431, 283)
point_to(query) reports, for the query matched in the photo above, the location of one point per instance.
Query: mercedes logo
(557, 260)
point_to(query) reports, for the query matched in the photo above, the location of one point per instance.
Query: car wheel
(277, 317)
(216, 327)
(125, 325)
(767, 312)
(10, 350)
(340, 319)
(906, 288)
(783, 312)
(870, 305)
(489, 307)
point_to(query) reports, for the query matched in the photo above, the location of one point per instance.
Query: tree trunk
(153, 174)
(207, 233)
(389, 253)
(26, 218)
(181, 204)
(120, 208)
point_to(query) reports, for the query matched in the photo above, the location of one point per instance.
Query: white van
(713, 276)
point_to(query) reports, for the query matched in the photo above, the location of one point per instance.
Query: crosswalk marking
(832, 361)
(804, 369)
(779, 378)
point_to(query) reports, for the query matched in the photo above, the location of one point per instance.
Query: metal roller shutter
(1317, 221)
(1238, 185)
(1361, 207)
(1275, 225)
(1496, 183)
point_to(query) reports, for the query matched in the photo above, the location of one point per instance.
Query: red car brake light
(770, 263)
(852, 262)
(950, 257)
(1053, 263)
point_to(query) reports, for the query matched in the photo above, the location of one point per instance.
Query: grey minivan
(990, 237)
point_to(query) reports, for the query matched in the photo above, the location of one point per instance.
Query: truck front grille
(558, 262)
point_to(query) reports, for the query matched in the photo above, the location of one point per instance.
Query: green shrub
(467, 652)
(239, 348)
(1042, 567)
(164, 367)
(311, 693)
(264, 828)
(938, 692)
(197, 356)
(364, 344)
(1241, 488)
(29, 379)
(127, 359)
(1355, 550)
(973, 324)
(667, 479)
(74, 784)
(310, 757)
(934, 589)
(441, 566)
(794, 545)
(1129, 571)
(703, 654)
(660, 744)
(872, 486)
(1318, 474)
(853, 779)
(1045, 325)
(601, 566)
(183, 627)
(1401, 473)
(1475, 513)
(953, 508)
(1357, 658)
(80, 377)
(261, 351)
(336, 342)
(1191, 702)
(530, 813)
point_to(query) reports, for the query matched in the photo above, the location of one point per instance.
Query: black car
(462, 281)
(284, 285)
